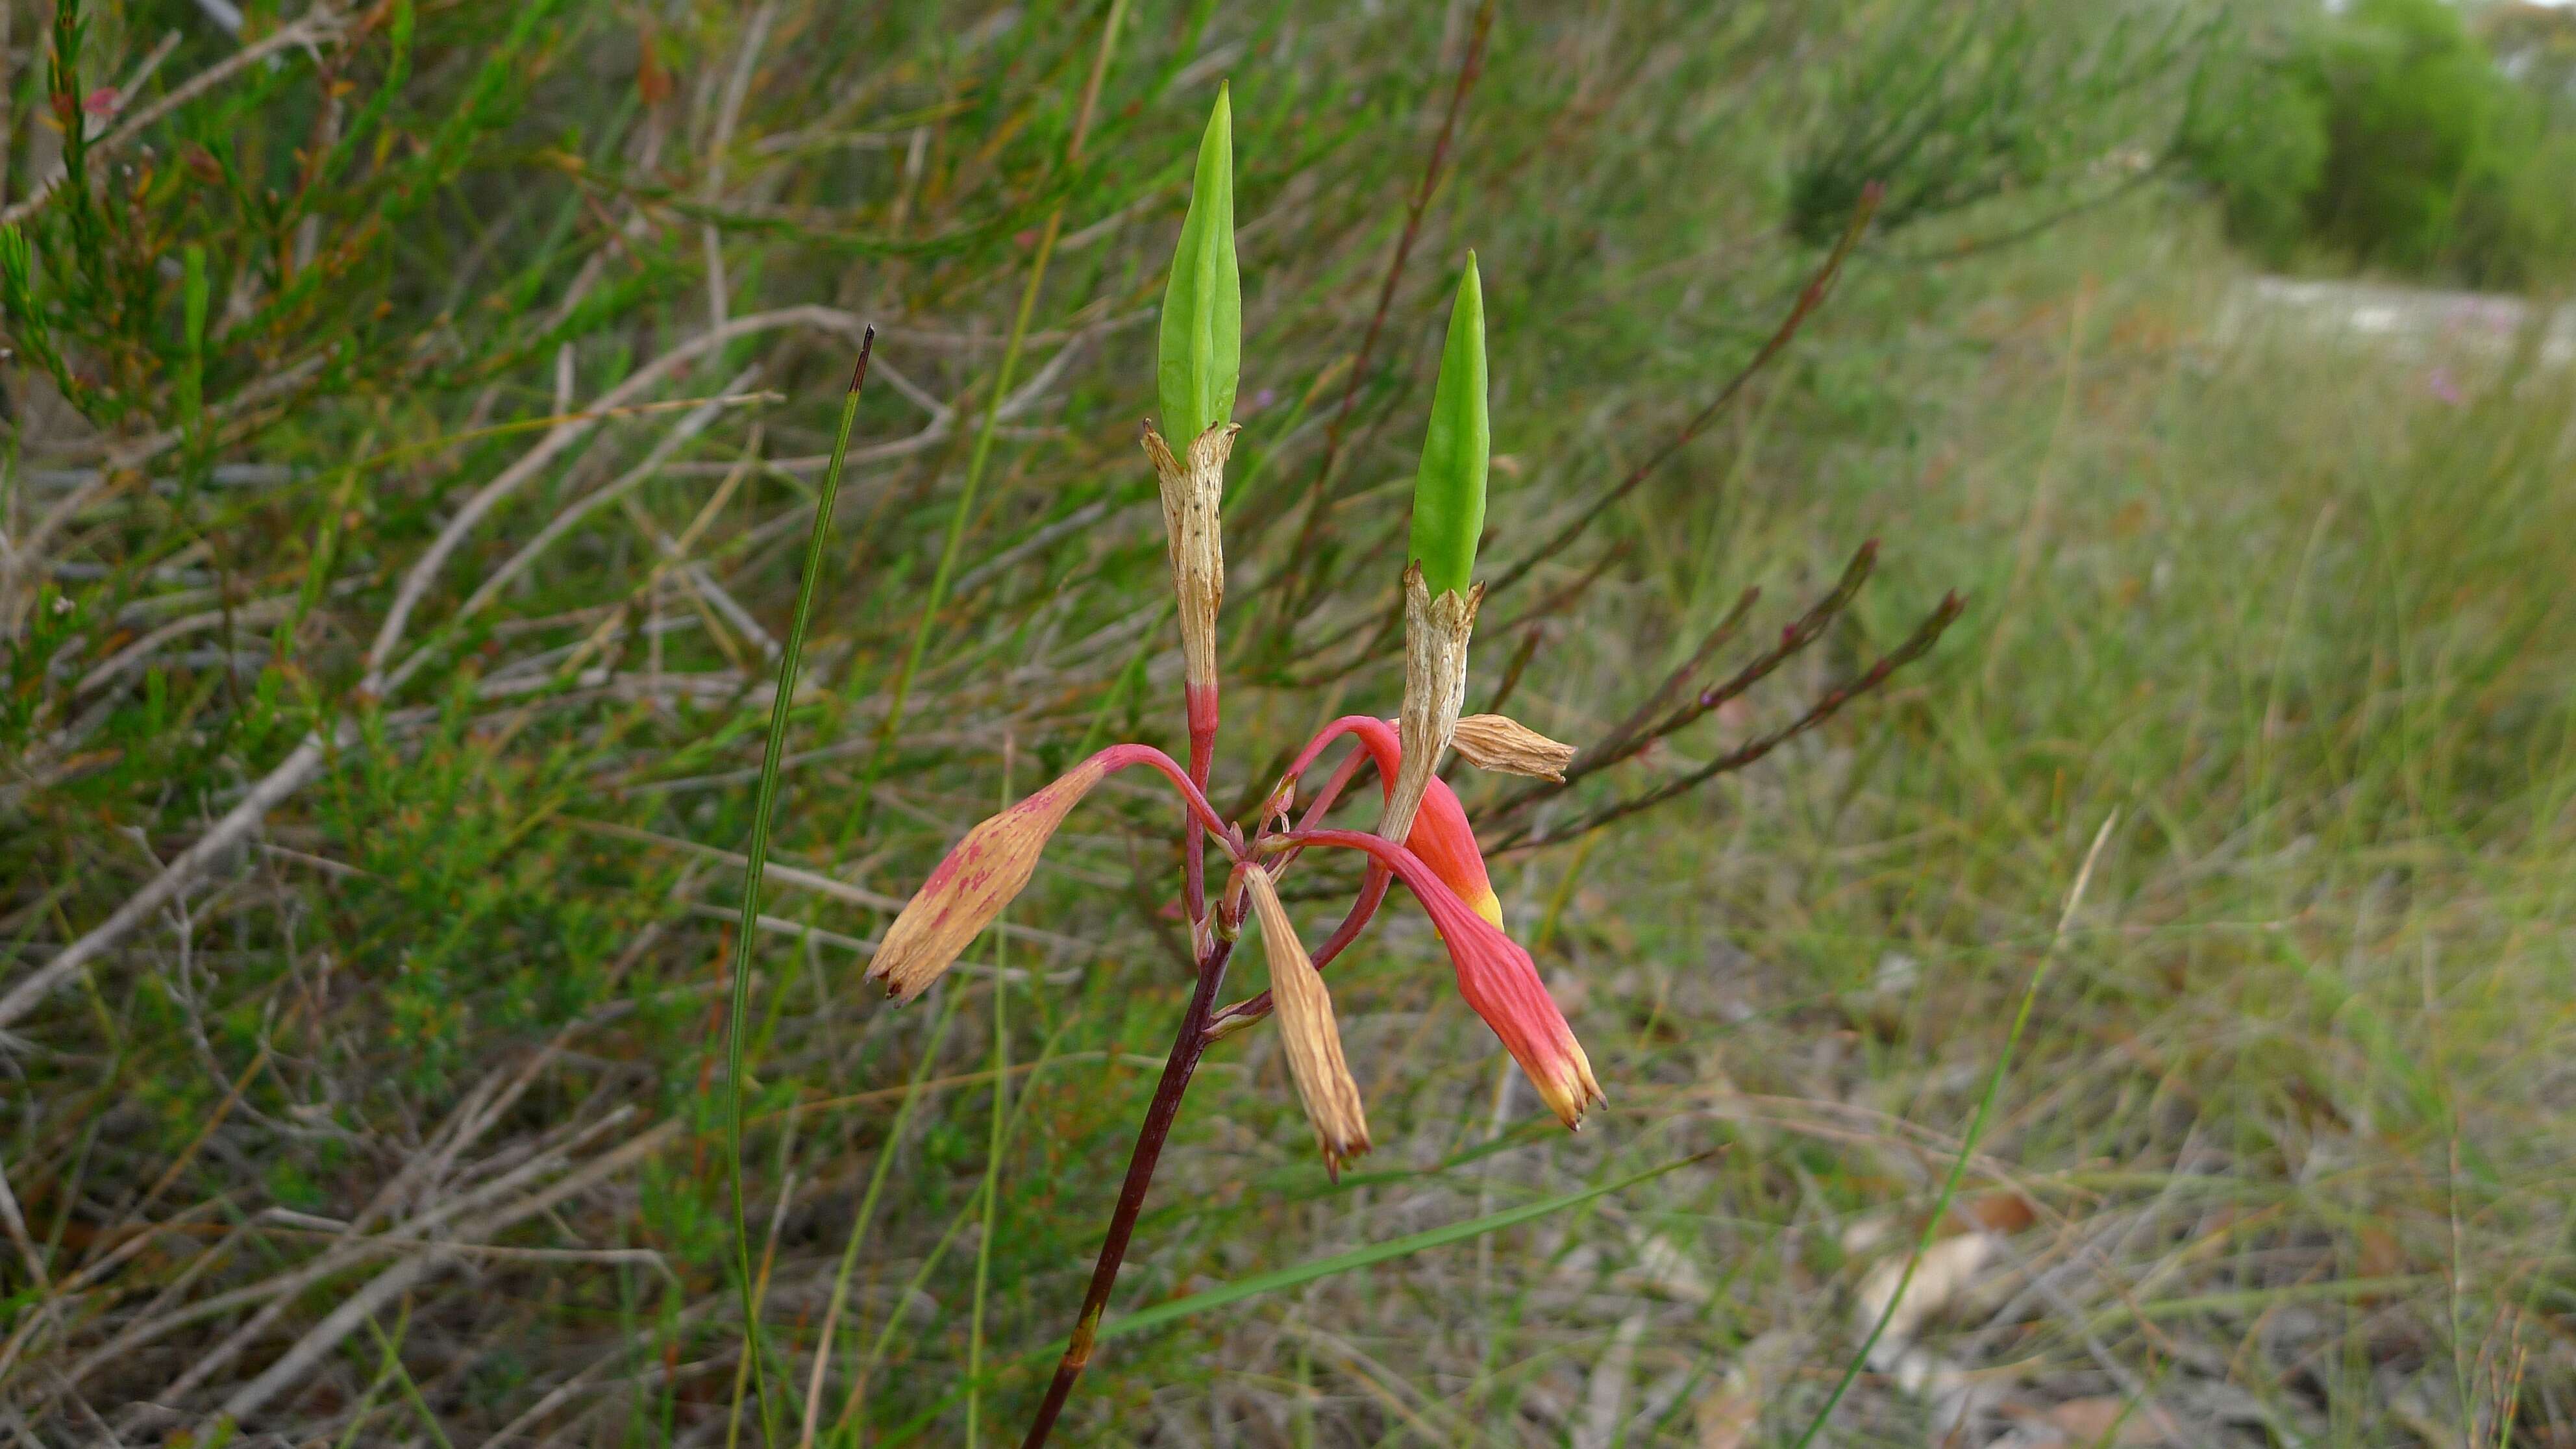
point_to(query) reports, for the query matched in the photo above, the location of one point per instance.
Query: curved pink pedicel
(1495, 975)
(1441, 834)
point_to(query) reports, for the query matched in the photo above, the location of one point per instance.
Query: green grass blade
(992, 1155)
(1146, 1319)
(765, 802)
(892, 728)
(1967, 1145)
(1201, 357)
(1449, 492)
(192, 377)
(867, 1210)
(1375, 1253)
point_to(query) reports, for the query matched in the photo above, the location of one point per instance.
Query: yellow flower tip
(1502, 985)
(1569, 1088)
(1489, 906)
(1500, 743)
(969, 889)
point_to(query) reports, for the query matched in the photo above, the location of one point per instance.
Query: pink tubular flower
(993, 864)
(1495, 975)
(1441, 835)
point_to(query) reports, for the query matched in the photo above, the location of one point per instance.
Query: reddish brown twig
(1809, 627)
(1810, 297)
(1188, 1046)
(1826, 705)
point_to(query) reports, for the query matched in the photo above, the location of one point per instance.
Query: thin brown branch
(1656, 703)
(1810, 297)
(1826, 706)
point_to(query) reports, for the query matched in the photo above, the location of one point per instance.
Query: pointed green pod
(1202, 342)
(1449, 494)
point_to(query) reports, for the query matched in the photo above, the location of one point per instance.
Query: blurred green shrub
(2390, 135)
(1952, 103)
(2257, 136)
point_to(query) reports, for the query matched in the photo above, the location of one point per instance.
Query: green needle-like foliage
(1202, 341)
(1449, 493)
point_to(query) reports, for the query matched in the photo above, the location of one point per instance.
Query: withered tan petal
(1193, 490)
(1499, 742)
(1307, 1033)
(1436, 632)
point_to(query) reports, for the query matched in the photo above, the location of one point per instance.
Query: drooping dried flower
(1307, 1033)
(992, 864)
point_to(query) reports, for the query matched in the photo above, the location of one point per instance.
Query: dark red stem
(1201, 705)
(1188, 1046)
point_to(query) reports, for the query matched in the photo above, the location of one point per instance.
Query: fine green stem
(859, 1221)
(992, 1157)
(748, 932)
(856, 1400)
(1976, 1131)
(964, 509)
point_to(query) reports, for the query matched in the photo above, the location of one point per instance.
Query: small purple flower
(2444, 387)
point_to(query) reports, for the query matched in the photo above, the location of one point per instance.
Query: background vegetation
(415, 412)
(2395, 133)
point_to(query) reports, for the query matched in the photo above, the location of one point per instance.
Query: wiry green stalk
(964, 509)
(1976, 1132)
(992, 1159)
(739, 1012)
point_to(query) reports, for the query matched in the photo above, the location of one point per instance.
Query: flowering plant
(1423, 839)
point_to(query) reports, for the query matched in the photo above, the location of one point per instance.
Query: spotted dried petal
(992, 865)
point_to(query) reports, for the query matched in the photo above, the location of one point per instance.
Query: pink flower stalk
(1495, 975)
(1441, 835)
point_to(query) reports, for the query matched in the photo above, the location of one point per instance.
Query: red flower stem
(1200, 704)
(1196, 802)
(1377, 743)
(1188, 1046)
(1334, 785)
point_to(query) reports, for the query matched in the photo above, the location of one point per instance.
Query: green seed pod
(1449, 494)
(1202, 339)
